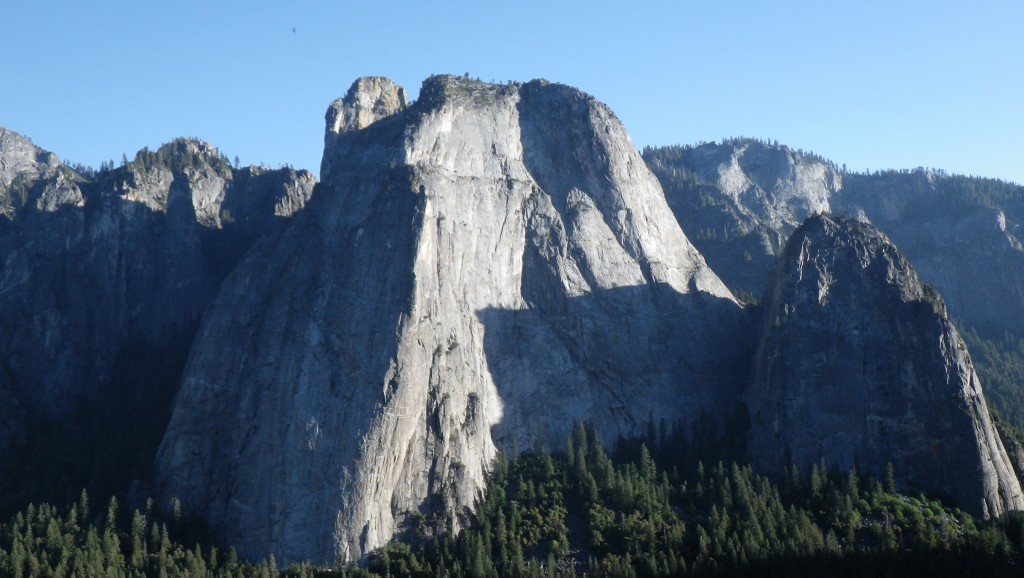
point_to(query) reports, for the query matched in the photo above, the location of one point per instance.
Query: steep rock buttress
(859, 366)
(485, 266)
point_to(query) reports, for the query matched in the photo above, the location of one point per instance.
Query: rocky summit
(32, 178)
(859, 367)
(741, 199)
(485, 267)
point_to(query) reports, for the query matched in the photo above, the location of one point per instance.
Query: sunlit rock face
(484, 267)
(32, 178)
(740, 200)
(368, 100)
(859, 366)
(492, 263)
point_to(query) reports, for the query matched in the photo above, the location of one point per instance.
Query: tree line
(648, 506)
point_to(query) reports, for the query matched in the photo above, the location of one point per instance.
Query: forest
(671, 502)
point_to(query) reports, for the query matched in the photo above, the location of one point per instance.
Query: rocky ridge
(100, 271)
(33, 179)
(860, 367)
(485, 267)
(741, 199)
(131, 256)
(961, 233)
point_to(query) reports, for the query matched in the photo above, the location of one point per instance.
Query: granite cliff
(492, 263)
(859, 367)
(740, 199)
(33, 179)
(961, 234)
(13, 423)
(104, 277)
(483, 267)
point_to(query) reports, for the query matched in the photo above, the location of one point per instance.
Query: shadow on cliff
(122, 288)
(616, 358)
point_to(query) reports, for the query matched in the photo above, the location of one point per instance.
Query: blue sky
(870, 84)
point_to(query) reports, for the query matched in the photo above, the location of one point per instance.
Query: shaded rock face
(486, 266)
(103, 278)
(13, 422)
(961, 234)
(859, 366)
(741, 199)
(101, 296)
(135, 258)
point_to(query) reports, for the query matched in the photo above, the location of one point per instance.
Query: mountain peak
(368, 100)
(19, 156)
(858, 365)
(183, 153)
(489, 268)
(31, 177)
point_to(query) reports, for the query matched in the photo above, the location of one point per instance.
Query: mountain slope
(742, 198)
(961, 234)
(481, 268)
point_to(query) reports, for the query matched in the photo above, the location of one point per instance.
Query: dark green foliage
(45, 541)
(89, 448)
(1000, 366)
(654, 509)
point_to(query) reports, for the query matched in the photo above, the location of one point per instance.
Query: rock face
(135, 258)
(103, 279)
(859, 366)
(962, 235)
(368, 100)
(479, 269)
(33, 179)
(741, 199)
(13, 422)
(486, 266)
